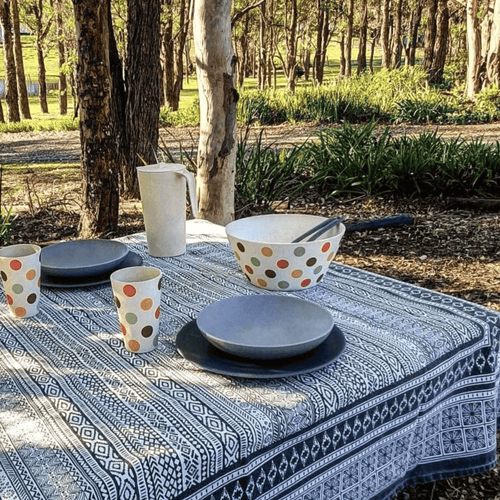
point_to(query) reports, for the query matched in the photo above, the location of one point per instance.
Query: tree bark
(61, 53)
(99, 168)
(363, 36)
(430, 34)
(342, 61)
(474, 50)
(436, 69)
(348, 37)
(291, 44)
(24, 103)
(142, 108)
(384, 34)
(493, 58)
(262, 47)
(218, 97)
(2, 118)
(41, 33)
(397, 36)
(415, 25)
(11, 95)
(322, 39)
(167, 52)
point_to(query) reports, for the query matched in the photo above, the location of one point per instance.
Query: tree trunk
(181, 44)
(18, 51)
(291, 44)
(363, 36)
(218, 97)
(397, 36)
(2, 118)
(99, 168)
(430, 34)
(262, 47)
(342, 62)
(384, 34)
(372, 48)
(493, 58)
(415, 25)
(167, 51)
(11, 95)
(322, 39)
(61, 52)
(142, 109)
(441, 46)
(474, 50)
(348, 37)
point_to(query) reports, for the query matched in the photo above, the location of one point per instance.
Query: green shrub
(358, 160)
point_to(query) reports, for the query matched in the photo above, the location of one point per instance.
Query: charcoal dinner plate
(193, 346)
(82, 258)
(265, 326)
(132, 259)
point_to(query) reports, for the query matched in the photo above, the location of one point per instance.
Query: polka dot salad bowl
(262, 246)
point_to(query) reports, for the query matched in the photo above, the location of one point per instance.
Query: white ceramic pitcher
(163, 196)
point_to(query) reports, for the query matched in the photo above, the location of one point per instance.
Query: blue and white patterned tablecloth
(414, 396)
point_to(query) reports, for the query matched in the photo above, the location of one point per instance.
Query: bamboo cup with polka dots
(137, 293)
(20, 271)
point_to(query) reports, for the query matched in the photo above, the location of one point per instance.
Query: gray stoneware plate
(194, 347)
(265, 326)
(81, 258)
(132, 259)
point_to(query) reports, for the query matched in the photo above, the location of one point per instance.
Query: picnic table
(413, 397)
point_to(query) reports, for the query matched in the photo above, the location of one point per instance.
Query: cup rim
(119, 276)
(19, 250)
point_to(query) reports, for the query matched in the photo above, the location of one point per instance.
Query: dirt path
(48, 147)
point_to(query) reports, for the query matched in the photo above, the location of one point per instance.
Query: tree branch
(244, 11)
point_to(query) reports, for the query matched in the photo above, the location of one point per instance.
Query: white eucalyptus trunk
(493, 59)
(474, 49)
(217, 148)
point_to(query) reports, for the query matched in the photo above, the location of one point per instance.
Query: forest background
(295, 43)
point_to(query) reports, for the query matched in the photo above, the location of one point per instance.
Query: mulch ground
(448, 249)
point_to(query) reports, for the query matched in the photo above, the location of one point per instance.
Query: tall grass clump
(265, 174)
(363, 161)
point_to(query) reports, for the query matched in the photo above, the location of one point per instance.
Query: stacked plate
(262, 336)
(79, 263)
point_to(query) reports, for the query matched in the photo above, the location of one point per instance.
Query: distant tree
(24, 103)
(348, 37)
(61, 53)
(175, 31)
(384, 34)
(430, 34)
(39, 17)
(397, 35)
(473, 84)
(11, 95)
(363, 36)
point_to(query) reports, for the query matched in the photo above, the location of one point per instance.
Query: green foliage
(185, 116)
(5, 226)
(264, 174)
(395, 96)
(358, 160)
(53, 123)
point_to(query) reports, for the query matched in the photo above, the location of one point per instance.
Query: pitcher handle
(192, 190)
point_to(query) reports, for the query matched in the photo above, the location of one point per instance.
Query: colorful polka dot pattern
(294, 268)
(21, 280)
(139, 314)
